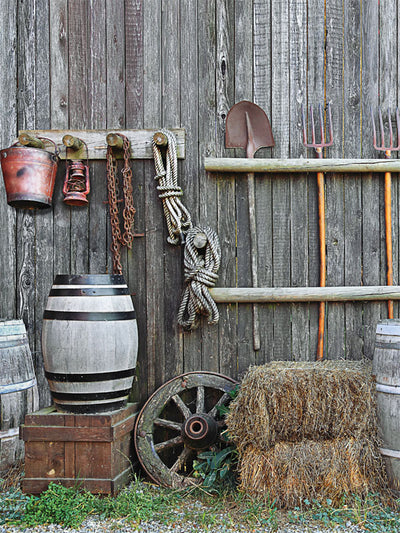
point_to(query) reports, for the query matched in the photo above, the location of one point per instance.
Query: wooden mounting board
(141, 142)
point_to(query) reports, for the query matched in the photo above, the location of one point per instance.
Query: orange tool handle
(388, 231)
(322, 267)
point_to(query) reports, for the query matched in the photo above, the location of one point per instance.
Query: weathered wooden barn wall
(183, 63)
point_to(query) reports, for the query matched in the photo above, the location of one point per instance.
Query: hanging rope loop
(177, 216)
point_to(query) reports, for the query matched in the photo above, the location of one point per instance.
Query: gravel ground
(97, 526)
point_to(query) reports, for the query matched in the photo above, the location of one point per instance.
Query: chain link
(120, 239)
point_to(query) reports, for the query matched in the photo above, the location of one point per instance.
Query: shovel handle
(254, 255)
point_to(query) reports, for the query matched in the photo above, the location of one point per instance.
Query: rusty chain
(120, 239)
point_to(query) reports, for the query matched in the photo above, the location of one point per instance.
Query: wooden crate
(92, 451)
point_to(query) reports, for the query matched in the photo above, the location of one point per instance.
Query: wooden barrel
(89, 343)
(18, 389)
(386, 368)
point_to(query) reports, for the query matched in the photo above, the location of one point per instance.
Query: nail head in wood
(115, 141)
(29, 140)
(160, 138)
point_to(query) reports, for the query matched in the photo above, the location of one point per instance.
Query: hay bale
(290, 473)
(290, 402)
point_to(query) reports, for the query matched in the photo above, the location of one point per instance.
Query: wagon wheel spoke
(200, 399)
(181, 406)
(169, 424)
(171, 443)
(185, 454)
(222, 401)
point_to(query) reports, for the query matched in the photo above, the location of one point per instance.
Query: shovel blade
(247, 126)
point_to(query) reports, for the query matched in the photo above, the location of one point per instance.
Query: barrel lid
(89, 279)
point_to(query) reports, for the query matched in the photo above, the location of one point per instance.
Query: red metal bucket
(29, 175)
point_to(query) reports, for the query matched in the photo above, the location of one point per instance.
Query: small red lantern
(76, 183)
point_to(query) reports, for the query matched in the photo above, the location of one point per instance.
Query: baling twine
(201, 265)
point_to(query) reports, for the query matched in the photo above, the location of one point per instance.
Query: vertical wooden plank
(298, 184)
(78, 118)
(352, 184)
(226, 197)
(173, 277)
(59, 120)
(244, 91)
(371, 239)
(44, 219)
(206, 10)
(115, 49)
(281, 186)
(155, 332)
(25, 241)
(262, 97)
(97, 103)
(8, 130)
(190, 121)
(136, 267)
(335, 325)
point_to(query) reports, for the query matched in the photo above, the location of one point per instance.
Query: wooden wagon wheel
(181, 419)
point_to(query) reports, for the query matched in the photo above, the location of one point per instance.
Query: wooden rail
(232, 164)
(304, 294)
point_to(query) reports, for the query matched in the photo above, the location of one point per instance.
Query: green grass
(143, 501)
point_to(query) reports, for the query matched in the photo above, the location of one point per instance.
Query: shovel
(247, 126)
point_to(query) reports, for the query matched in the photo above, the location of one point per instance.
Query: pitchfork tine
(312, 125)
(390, 130)
(398, 126)
(373, 129)
(382, 130)
(321, 123)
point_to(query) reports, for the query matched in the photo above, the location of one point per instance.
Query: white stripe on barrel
(89, 342)
(386, 368)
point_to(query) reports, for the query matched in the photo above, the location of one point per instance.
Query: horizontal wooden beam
(303, 294)
(96, 141)
(238, 164)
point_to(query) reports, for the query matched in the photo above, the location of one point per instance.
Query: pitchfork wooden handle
(388, 231)
(322, 267)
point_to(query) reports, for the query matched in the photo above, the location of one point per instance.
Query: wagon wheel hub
(200, 431)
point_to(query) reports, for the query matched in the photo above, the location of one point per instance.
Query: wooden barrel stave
(89, 342)
(386, 368)
(18, 389)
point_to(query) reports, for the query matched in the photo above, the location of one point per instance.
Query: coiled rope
(201, 259)
(176, 215)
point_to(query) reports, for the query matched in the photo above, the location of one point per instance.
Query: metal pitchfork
(318, 147)
(388, 190)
